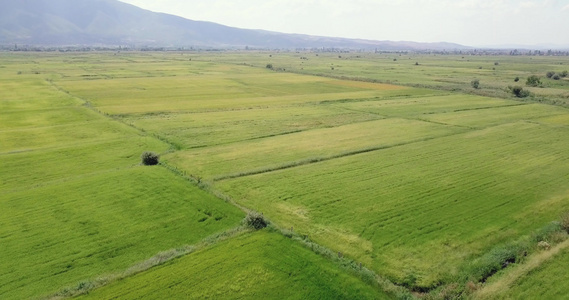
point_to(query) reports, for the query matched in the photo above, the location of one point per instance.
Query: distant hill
(114, 23)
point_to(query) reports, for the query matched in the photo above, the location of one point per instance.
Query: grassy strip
(84, 287)
(320, 159)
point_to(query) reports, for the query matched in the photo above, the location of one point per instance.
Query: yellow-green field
(418, 185)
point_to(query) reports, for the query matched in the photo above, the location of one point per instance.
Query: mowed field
(416, 184)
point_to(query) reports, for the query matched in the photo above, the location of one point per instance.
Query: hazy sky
(467, 22)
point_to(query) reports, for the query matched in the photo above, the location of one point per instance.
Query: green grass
(498, 115)
(417, 212)
(74, 202)
(233, 87)
(256, 265)
(298, 148)
(62, 233)
(192, 130)
(417, 182)
(443, 72)
(425, 106)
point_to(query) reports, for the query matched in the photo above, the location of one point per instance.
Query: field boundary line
(88, 104)
(313, 160)
(382, 98)
(85, 286)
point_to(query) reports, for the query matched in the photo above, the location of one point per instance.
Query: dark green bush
(518, 91)
(255, 220)
(564, 73)
(549, 74)
(269, 66)
(149, 158)
(516, 79)
(475, 83)
(533, 81)
(556, 77)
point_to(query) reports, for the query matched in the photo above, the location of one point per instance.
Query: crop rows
(425, 206)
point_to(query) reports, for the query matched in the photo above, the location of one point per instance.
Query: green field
(74, 202)
(298, 148)
(411, 209)
(251, 266)
(443, 72)
(402, 167)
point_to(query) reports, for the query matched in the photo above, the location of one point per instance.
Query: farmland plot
(249, 266)
(421, 210)
(299, 148)
(414, 183)
(74, 202)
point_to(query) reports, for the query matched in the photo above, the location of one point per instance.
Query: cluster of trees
(556, 76)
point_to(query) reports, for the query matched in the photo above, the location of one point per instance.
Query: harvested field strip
(222, 104)
(414, 107)
(293, 149)
(498, 115)
(220, 92)
(193, 130)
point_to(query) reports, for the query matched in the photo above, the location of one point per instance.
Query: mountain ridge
(114, 23)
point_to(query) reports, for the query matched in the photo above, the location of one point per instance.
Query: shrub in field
(497, 259)
(564, 73)
(269, 66)
(149, 158)
(475, 83)
(556, 77)
(255, 220)
(518, 91)
(549, 74)
(533, 81)
(516, 79)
